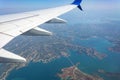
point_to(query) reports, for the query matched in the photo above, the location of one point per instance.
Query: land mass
(43, 51)
(115, 75)
(116, 47)
(46, 49)
(73, 73)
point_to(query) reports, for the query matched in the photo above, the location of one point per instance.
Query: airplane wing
(27, 24)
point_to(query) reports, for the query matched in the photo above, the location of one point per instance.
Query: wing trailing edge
(16, 24)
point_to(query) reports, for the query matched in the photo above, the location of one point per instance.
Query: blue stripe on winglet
(77, 2)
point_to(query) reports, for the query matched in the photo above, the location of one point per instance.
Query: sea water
(89, 65)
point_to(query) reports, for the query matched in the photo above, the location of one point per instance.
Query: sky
(93, 9)
(39, 3)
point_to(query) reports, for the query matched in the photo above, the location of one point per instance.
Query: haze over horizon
(94, 4)
(95, 11)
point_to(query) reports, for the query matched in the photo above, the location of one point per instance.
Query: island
(73, 73)
(116, 47)
(115, 75)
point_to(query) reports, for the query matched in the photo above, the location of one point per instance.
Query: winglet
(80, 8)
(77, 2)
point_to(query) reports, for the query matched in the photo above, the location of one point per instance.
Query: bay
(89, 65)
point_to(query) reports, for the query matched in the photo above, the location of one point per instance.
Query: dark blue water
(40, 71)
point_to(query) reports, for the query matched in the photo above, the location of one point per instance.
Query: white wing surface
(16, 24)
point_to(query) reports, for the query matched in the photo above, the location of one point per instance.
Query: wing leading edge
(17, 24)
